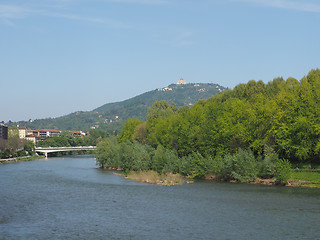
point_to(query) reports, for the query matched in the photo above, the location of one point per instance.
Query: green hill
(111, 116)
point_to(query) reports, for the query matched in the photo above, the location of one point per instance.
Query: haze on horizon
(62, 56)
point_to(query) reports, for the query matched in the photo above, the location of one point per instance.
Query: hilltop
(111, 116)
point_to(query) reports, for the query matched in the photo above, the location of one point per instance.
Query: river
(70, 198)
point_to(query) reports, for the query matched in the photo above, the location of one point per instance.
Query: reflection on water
(70, 198)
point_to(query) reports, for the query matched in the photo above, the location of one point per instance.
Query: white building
(181, 81)
(22, 132)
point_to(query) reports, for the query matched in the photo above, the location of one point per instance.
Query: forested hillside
(111, 116)
(282, 114)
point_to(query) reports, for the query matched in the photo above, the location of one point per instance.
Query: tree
(13, 132)
(108, 153)
(283, 171)
(140, 133)
(129, 129)
(193, 165)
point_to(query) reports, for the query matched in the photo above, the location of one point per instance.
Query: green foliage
(13, 132)
(241, 132)
(54, 141)
(268, 164)
(140, 133)
(108, 153)
(223, 167)
(281, 114)
(245, 166)
(15, 147)
(283, 171)
(66, 139)
(129, 129)
(159, 159)
(173, 162)
(134, 156)
(95, 136)
(193, 165)
(241, 166)
(29, 147)
(165, 160)
(307, 176)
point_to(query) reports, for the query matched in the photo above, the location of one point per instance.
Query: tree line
(67, 139)
(234, 132)
(282, 114)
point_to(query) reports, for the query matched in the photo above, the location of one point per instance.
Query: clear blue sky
(61, 56)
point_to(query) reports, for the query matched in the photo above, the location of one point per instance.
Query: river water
(70, 198)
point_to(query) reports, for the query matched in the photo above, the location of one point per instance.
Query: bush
(159, 159)
(134, 156)
(165, 160)
(141, 157)
(173, 162)
(245, 167)
(193, 165)
(268, 164)
(107, 153)
(283, 171)
(242, 166)
(223, 166)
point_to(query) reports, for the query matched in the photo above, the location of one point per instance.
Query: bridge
(46, 150)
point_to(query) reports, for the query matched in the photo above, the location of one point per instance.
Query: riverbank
(18, 159)
(153, 177)
(300, 179)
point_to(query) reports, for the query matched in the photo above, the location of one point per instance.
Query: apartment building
(3, 132)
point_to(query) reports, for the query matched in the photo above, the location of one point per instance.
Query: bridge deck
(47, 150)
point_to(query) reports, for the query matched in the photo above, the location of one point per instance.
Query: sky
(63, 56)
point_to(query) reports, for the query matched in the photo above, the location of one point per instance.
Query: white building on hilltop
(181, 81)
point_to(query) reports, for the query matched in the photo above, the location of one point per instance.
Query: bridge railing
(73, 147)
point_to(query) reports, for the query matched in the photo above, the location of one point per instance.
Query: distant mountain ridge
(111, 116)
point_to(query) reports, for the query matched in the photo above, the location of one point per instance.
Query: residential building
(3, 132)
(78, 133)
(43, 133)
(32, 138)
(22, 132)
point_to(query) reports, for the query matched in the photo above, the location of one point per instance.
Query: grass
(306, 177)
(156, 178)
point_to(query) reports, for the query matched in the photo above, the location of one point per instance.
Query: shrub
(165, 160)
(242, 166)
(134, 156)
(283, 171)
(159, 159)
(193, 165)
(107, 153)
(268, 164)
(173, 162)
(222, 166)
(245, 167)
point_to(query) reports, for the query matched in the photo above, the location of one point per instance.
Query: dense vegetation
(111, 116)
(239, 134)
(66, 139)
(242, 166)
(14, 146)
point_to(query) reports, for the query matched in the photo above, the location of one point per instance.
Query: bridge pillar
(46, 154)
